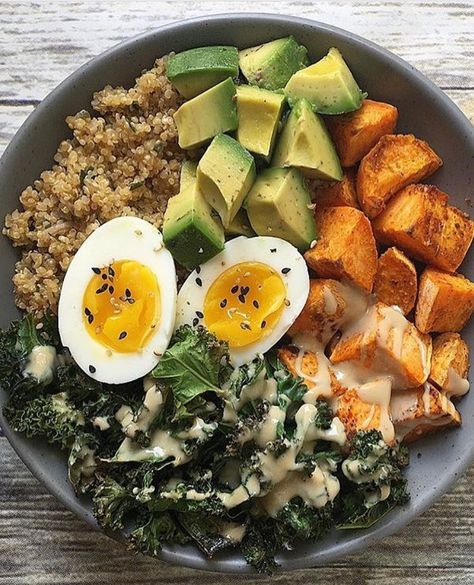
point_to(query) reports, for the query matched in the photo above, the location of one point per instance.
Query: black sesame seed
(87, 311)
(131, 301)
(242, 298)
(123, 335)
(223, 303)
(102, 289)
(111, 290)
(255, 304)
(244, 290)
(198, 269)
(90, 319)
(263, 324)
(195, 321)
(111, 271)
(285, 270)
(245, 326)
(92, 370)
(128, 292)
(198, 281)
(104, 276)
(273, 250)
(234, 289)
(199, 315)
(95, 270)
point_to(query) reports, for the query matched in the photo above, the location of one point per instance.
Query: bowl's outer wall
(424, 111)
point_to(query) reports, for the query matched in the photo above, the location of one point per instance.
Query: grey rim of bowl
(194, 559)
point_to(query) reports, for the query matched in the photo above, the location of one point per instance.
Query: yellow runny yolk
(121, 305)
(244, 303)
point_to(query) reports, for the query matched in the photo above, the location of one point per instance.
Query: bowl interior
(424, 111)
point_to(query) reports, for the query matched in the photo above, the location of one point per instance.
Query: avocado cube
(328, 85)
(196, 70)
(305, 143)
(225, 174)
(240, 225)
(191, 232)
(203, 117)
(272, 64)
(259, 112)
(279, 204)
(188, 174)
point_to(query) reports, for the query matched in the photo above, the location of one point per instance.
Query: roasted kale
(155, 502)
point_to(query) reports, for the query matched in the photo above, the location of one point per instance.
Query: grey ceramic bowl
(424, 110)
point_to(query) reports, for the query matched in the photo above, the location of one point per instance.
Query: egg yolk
(121, 305)
(244, 303)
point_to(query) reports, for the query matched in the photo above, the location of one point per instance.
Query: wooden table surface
(41, 43)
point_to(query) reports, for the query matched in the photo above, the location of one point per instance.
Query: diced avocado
(240, 225)
(328, 85)
(196, 70)
(225, 174)
(188, 174)
(203, 117)
(259, 112)
(305, 143)
(279, 204)
(271, 65)
(191, 232)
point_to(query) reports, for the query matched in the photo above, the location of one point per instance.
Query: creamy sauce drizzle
(41, 363)
(456, 385)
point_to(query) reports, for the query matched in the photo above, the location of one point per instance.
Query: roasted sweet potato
(329, 305)
(313, 368)
(395, 161)
(449, 364)
(356, 133)
(385, 342)
(419, 221)
(367, 407)
(445, 301)
(396, 280)
(336, 193)
(421, 411)
(345, 247)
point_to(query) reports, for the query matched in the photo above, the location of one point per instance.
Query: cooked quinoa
(123, 161)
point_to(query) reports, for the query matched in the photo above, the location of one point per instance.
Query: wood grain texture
(44, 41)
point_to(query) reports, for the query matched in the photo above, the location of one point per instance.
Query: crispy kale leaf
(48, 415)
(155, 530)
(195, 363)
(112, 502)
(204, 530)
(372, 482)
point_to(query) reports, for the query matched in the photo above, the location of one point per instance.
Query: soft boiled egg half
(118, 301)
(248, 295)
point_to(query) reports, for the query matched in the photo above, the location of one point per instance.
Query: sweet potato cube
(329, 305)
(419, 221)
(367, 407)
(345, 248)
(449, 364)
(395, 161)
(445, 301)
(396, 281)
(356, 133)
(421, 411)
(336, 193)
(313, 368)
(386, 343)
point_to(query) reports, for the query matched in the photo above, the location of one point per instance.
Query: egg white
(123, 238)
(274, 252)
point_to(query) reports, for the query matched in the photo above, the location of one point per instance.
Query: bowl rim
(193, 559)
